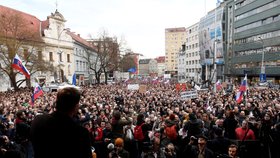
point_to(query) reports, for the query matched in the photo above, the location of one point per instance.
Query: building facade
(255, 48)
(84, 55)
(160, 65)
(144, 67)
(182, 74)
(174, 39)
(58, 49)
(192, 61)
(211, 44)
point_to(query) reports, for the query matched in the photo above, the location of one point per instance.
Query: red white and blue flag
(219, 85)
(242, 90)
(17, 64)
(37, 93)
(243, 86)
(239, 97)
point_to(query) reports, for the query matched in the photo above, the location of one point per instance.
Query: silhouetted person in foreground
(57, 135)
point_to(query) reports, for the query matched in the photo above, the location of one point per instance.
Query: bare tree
(106, 62)
(127, 62)
(18, 36)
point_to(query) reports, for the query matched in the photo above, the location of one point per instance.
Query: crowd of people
(155, 123)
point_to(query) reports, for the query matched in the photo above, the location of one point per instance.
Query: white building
(182, 65)
(193, 67)
(58, 49)
(84, 55)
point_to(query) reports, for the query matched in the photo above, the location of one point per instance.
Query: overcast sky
(140, 22)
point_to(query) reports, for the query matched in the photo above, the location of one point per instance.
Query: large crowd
(154, 123)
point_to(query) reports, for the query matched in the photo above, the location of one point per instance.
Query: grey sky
(140, 22)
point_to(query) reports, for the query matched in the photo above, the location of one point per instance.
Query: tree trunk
(106, 77)
(97, 77)
(13, 80)
(28, 82)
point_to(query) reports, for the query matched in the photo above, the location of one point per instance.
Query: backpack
(129, 134)
(171, 132)
(138, 132)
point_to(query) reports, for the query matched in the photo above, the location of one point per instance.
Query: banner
(188, 95)
(142, 88)
(166, 76)
(133, 87)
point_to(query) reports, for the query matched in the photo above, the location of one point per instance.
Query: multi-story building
(58, 49)
(144, 67)
(20, 34)
(182, 74)
(255, 49)
(160, 65)
(62, 49)
(192, 61)
(174, 39)
(153, 67)
(211, 44)
(84, 55)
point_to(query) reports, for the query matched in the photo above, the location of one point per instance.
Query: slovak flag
(17, 64)
(37, 93)
(219, 85)
(243, 86)
(242, 90)
(239, 97)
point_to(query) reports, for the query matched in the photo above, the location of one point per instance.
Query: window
(25, 54)
(40, 56)
(60, 57)
(68, 58)
(51, 56)
(77, 65)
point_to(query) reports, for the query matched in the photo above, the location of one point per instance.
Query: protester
(56, 135)
(157, 108)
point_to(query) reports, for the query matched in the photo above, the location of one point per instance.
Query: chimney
(79, 35)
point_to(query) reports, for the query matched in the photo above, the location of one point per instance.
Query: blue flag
(74, 79)
(132, 70)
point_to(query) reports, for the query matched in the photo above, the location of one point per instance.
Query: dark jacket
(57, 135)
(192, 152)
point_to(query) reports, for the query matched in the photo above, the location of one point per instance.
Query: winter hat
(119, 142)
(192, 116)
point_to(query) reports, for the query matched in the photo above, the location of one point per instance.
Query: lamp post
(262, 75)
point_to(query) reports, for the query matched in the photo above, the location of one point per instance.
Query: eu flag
(74, 79)
(132, 70)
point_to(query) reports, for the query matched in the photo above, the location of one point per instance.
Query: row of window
(256, 38)
(193, 29)
(258, 10)
(191, 62)
(81, 65)
(193, 54)
(258, 23)
(192, 38)
(193, 70)
(243, 3)
(193, 46)
(258, 64)
(258, 51)
(60, 57)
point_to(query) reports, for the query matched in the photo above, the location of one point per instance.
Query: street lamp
(262, 75)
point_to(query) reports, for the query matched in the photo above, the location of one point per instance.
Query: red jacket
(98, 134)
(240, 133)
